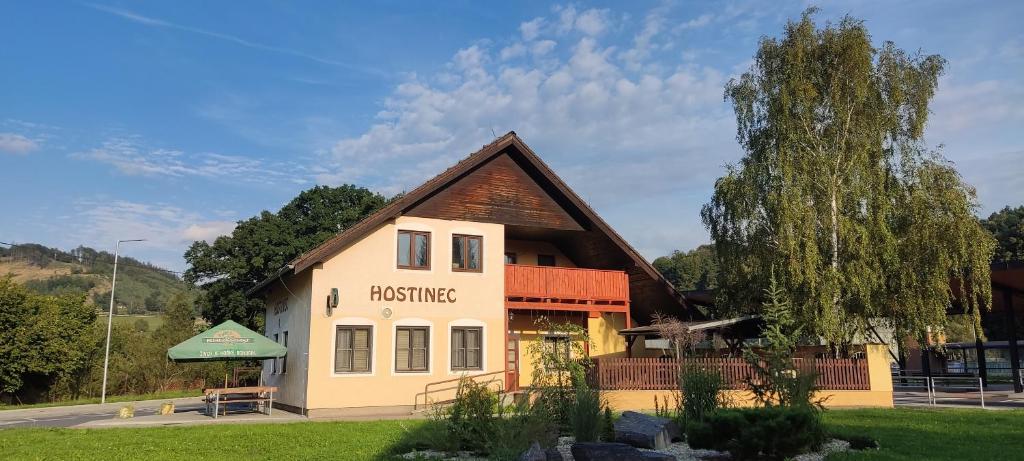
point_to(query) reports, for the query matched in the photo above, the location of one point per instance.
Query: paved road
(74, 415)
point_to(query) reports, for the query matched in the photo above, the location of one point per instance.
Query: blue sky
(169, 121)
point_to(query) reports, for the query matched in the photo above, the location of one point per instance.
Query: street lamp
(110, 317)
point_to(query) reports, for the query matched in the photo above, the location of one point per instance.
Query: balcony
(564, 288)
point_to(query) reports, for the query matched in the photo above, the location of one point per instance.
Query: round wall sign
(386, 312)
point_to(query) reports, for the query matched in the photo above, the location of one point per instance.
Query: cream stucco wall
(288, 310)
(479, 301)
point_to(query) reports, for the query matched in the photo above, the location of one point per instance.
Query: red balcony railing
(566, 285)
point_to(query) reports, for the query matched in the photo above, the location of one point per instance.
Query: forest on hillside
(141, 287)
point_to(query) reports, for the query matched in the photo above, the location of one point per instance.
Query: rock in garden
(602, 451)
(534, 453)
(645, 431)
(657, 456)
(552, 454)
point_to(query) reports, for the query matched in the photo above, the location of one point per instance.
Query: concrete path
(188, 410)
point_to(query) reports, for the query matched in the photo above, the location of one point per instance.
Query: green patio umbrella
(227, 341)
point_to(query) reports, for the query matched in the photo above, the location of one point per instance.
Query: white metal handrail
(957, 383)
(913, 382)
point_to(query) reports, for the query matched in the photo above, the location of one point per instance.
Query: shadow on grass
(428, 434)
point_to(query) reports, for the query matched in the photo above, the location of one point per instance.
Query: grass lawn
(110, 399)
(903, 434)
(933, 434)
(307, 440)
(154, 321)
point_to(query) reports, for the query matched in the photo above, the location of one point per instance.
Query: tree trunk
(835, 252)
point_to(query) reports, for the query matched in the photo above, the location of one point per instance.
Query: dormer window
(413, 249)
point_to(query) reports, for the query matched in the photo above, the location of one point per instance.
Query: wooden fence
(663, 374)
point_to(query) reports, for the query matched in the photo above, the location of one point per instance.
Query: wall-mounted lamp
(332, 301)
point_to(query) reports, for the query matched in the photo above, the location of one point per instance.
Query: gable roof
(401, 205)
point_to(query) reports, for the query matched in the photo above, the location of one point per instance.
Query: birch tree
(837, 191)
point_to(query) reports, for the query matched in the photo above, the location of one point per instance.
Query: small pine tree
(777, 380)
(608, 426)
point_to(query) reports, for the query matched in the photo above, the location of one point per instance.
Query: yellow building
(449, 280)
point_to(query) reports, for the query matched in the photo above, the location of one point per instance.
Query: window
(466, 253)
(352, 349)
(466, 348)
(561, 345)
(545, 260)
(411, 348)
(284, 360)
(413, 250)
(273, 363)
(510, 258)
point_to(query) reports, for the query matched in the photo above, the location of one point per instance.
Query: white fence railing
(935, 384)
(957, 384)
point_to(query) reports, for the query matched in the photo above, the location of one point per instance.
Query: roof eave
(284, 270)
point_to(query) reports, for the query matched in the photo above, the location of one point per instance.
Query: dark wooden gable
(498, 191)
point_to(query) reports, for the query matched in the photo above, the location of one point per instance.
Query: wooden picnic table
(260, 395)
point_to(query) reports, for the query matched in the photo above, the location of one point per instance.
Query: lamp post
(110, 317)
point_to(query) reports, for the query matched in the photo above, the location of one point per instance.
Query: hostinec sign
(412, 294)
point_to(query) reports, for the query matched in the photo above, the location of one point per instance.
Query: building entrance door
(512, 364)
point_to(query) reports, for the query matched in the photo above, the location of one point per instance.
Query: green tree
(777, 380)
(41, 338)
(261, 245)
(837, 192)
(1007, 226)
(696, 269)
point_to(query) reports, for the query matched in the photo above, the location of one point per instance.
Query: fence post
(981, 390)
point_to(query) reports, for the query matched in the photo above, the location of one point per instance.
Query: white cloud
(699, 21)
(592, 22)
(12, 143)
(958, 107)
(531, 29)
(208, 231)
(566, 18)
(659, 131)
(513, 51)
(641, 51)
(167, 229)
(543, 47)
(129, 156)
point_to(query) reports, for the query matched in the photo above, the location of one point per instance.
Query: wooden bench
(216, 398)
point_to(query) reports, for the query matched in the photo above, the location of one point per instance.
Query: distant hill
(141, 287)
